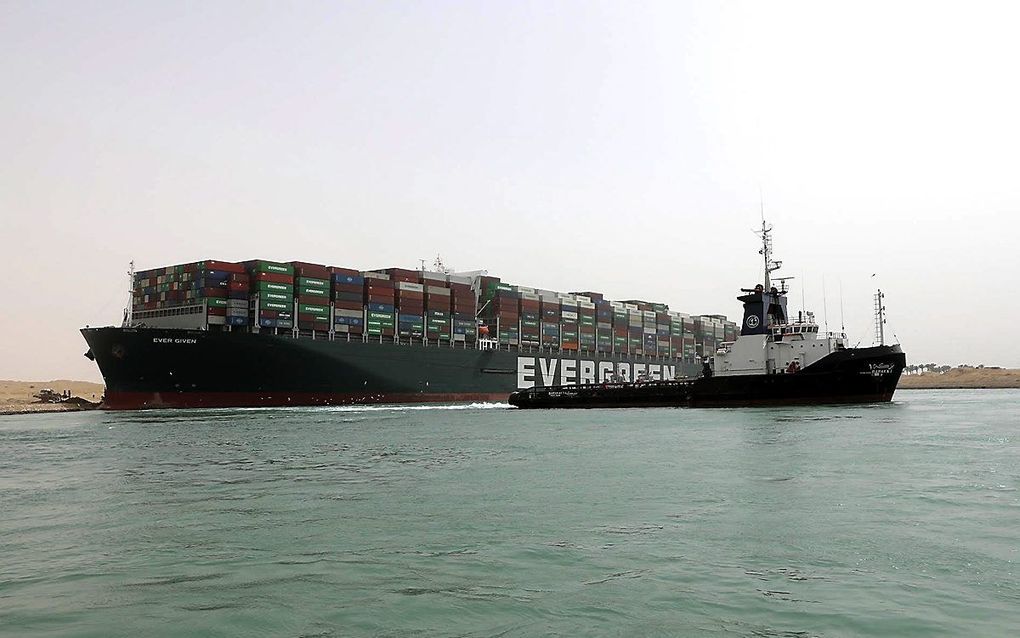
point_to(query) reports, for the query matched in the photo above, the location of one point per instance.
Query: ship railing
(479, 344)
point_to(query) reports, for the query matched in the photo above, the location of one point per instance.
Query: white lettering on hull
(548, 367)
(525, 372)
(568, 374)
(549, 371)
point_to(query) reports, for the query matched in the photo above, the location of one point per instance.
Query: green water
(888, 520)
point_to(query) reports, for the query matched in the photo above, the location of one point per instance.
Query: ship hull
(860, 375)
(170, 368)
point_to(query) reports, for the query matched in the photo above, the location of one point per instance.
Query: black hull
(168, 368)
(860, 375)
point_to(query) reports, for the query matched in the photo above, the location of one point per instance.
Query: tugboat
(774, 361)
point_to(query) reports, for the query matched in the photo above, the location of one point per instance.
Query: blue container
(237, 321)
(216, 274)
(349, 321)
(350, 280)
(348, 296)
(267, 323)
(415, 318)
(380, 307)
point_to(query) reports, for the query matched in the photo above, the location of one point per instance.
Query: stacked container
(569, 339)
(438, 322)
(202, 283)
(410, 302)
(380, 306)
(549, 307)
(635, 329)
(604, 326)
(311, 296)
(506, 314)
(676, 334)
(648, 332)
(462, 307)
(531, 317)
(272, 293)
(586, 324)
(238, 285)
(348, 293)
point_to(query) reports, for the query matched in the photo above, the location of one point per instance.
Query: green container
(274, 267)
(313, 309)
(276, 305)
(269, 286)
(311, 282)
(216, 302)
(313, 292)
(277, 297)
(380, 315)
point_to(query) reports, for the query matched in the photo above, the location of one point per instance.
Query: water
(899, 519)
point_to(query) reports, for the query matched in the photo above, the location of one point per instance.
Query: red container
(226, 266)
(273, 277)
(217, 312)
(238, 285)
(409, 294)
(387, 299)
(268, 314)
(348, 305)
(352, 288)
(214, 292)
(240, 278)
(459, 288)
(378, 283)
(316, 271)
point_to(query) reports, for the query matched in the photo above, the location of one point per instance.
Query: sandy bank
(961, 378)
(17, 397)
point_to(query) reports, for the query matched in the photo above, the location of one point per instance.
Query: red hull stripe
(154, 400)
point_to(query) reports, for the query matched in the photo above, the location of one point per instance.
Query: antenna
(803, 285)
(842, 321)
(422, 261)
(825, 308)
(766, 251)
(879, 318)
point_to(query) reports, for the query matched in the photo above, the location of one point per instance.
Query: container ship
(268, 333)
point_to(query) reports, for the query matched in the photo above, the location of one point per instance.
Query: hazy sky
(617, 147)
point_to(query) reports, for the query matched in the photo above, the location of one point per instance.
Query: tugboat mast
(880, 317)
(766, 252)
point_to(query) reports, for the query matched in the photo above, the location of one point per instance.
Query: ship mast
(131, 287)
(880, 317)
(766, 252)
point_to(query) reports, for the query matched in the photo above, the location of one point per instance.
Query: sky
(622, 147)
